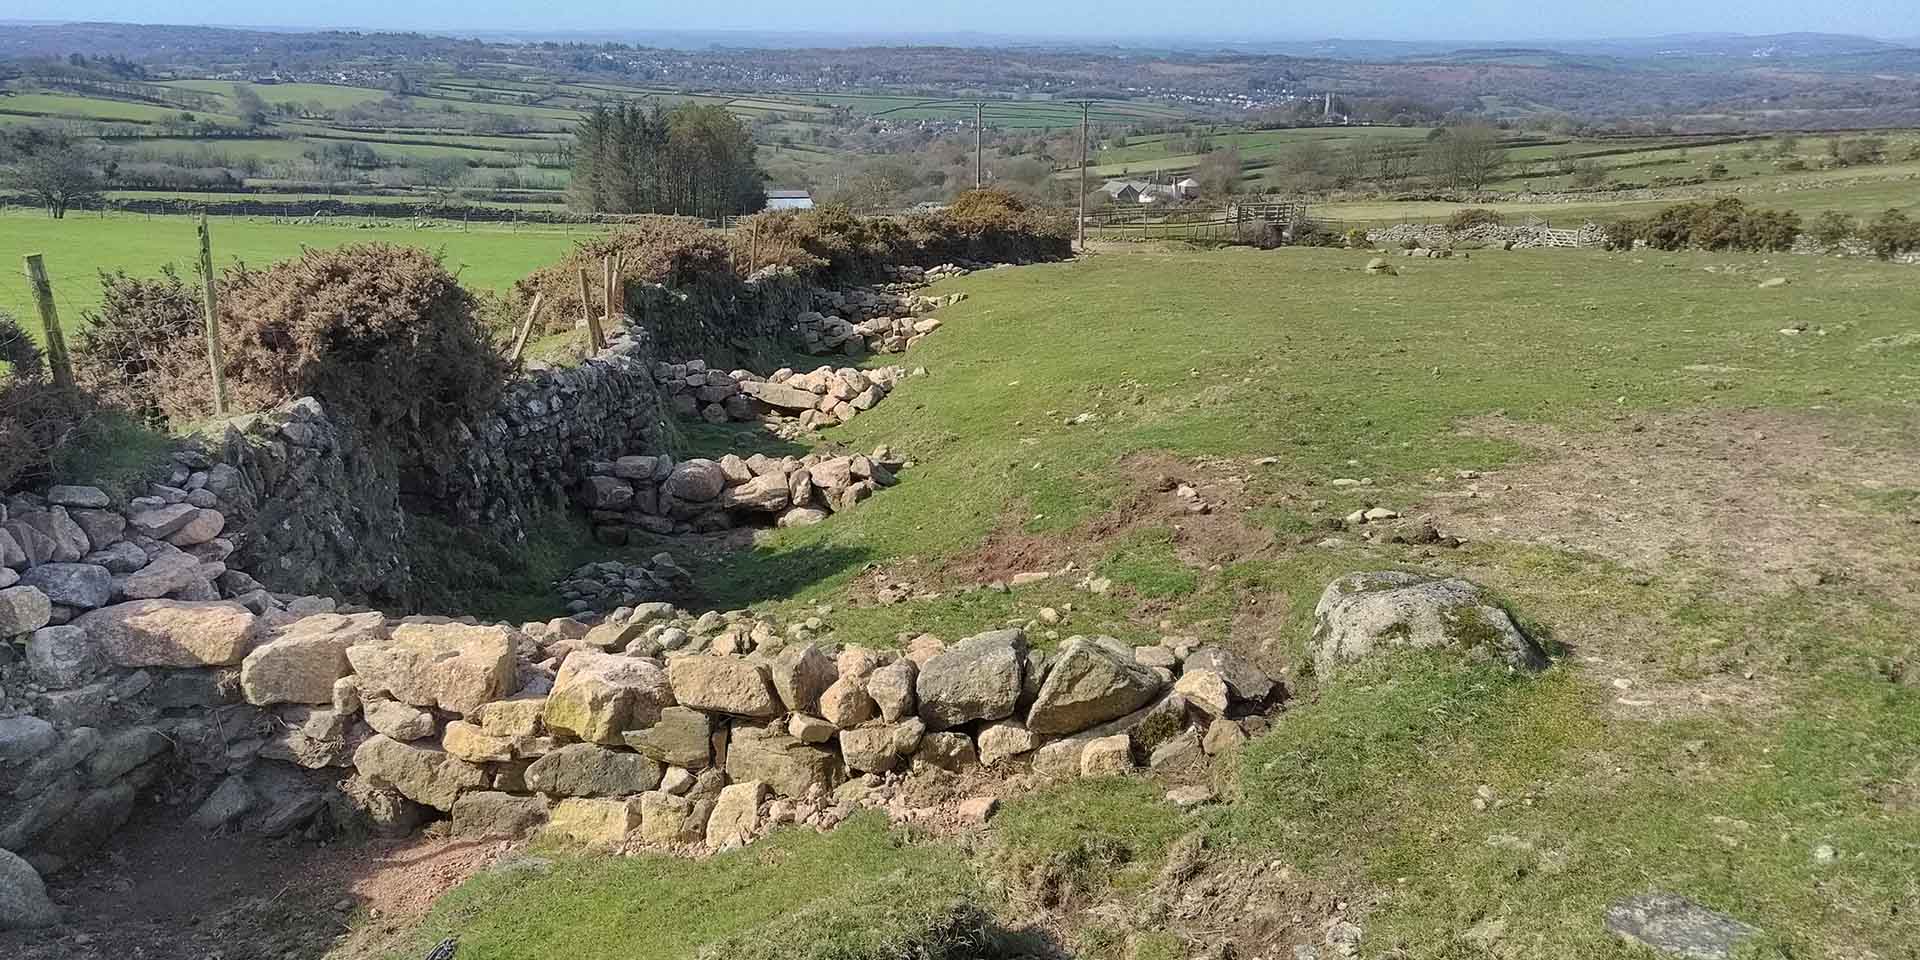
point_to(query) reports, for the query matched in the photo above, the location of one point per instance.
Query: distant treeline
(691, 161)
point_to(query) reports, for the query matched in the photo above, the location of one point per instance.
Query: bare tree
(1466, 156)
(60, 174)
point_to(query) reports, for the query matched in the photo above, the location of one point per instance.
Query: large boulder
(171, 570)
(23, 610)
(489, 813)
(61, 658)
(978, 678)
(789, 767)
(421, 772)
(682, 737)
(735, 820)
(671, 820)
(768, 494)
(596, 823)
(451, 666)
(83, 586)
(1090, 683)
(591, 770)
(1246, 681)
(779, 395)
(173, 633)
(696, 481)
(23, 898)
(1363, 615)
(727, 685)
(301, 665)
(801, 673)
(599, 696)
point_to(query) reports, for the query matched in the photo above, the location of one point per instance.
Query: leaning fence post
(214, 358)
(526, 329)
(57, 359)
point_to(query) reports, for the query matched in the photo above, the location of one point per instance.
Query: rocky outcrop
(1364, 615)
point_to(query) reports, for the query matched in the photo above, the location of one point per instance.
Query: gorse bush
(677, 251)
(1470, 217)
(143, 350)
(1832, 227)
(989, 224)
(1725, 224)
(828, 242)
(1893, 233)
(38, 420)
(381, 334)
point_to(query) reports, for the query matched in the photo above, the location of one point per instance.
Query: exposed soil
(1781, 499)
(162, 890)
(1219, 534)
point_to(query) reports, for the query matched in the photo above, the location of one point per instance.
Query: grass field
(1711, 520)
(78, 248)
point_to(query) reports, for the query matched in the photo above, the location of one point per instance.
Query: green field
(1730, 697)
(78, 248)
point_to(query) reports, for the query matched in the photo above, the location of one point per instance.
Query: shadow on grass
(715, 440)
(755, 574)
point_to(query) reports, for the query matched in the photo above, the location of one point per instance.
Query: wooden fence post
(594, 337)
(214, 358)
(526, 329)
(57, 359)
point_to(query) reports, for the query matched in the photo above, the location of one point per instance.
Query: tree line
(692, 160)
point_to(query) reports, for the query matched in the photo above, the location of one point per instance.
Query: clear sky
(1437, 20)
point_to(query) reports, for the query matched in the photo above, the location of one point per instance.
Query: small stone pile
(824, 397)
(610, 584)
(831, 334)
(655, 494)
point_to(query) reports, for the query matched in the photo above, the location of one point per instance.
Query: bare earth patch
(1778, 499)
(162, 890)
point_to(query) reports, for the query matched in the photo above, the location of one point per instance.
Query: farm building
(1136, 191)
(789, 200)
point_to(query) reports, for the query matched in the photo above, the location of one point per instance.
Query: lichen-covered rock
(1105, 756)
(597, 697)
(1246, 681)
(1362, 615)
(682, 737)
(1089, 683)
(1005, 740)
(591, 770)
(788, 766)
(302, 664)
(398, 720)
(949, 751)
(1677, 926)
(978, 678)
(421, 772)
(23, 897)
(726, 685)
(83, 586)
(466, 741)
(670, 820)
(696, 481)
(801, 673)
(491, 813)
(451, 666)
(23, 610)
(602, 823)
(735, 820)
(173, 633)
(869, 749)
(63, 657)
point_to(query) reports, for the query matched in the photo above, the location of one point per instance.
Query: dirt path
(164, 891)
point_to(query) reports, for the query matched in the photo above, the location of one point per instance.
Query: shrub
(1471, 217)
(1725, 224)
(1357, 238)
(989, 224)
(38, 420)
(142, 350)
(828, 242)
(1892, 233)
(677, 251)
(1621, 234)
(1832, 227)
(17, 349)
(383, 334)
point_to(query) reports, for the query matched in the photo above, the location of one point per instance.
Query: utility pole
(1086, 107)
(979, 163)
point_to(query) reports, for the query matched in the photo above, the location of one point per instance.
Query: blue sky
(1446, 20)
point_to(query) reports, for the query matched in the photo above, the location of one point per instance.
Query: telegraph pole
(979, 163)
(1086, 107)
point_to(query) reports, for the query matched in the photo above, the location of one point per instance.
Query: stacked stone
(822, 334)
(651, 727)
(655, 494)
(826, 396)
(611, 584)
